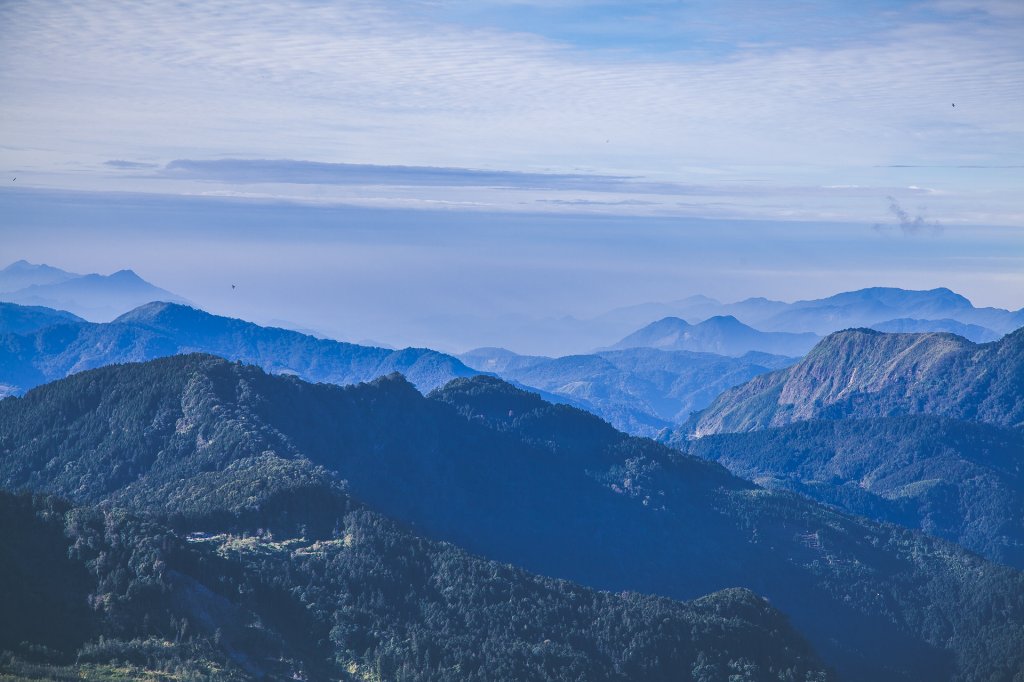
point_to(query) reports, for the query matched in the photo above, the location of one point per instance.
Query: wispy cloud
(409, 85)
(130, 165)
(312, 172)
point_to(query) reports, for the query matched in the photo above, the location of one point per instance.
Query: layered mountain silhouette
(641, 391)
(22, 274)
(207, 445)
(862, 373)
(159, 329)
(972, 332)
(723, 335)
(97, 298)
(876, 306)
(560, 335)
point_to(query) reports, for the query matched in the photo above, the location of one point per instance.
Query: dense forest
(200, 445)
(957, 480)
(99, 592)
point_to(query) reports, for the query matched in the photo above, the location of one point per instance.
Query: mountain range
(560, 335)
(205, 447)
(723, 335)
(861, 308)
(22, 274)
(971, 332)
(159, 329)
(229, 521)
(641, 391)
(923, 430)
(98, 298)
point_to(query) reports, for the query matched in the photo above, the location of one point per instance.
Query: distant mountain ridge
(159, 329)
(862, 308)
(19, 319)
(723, 335)
(862, 373)
(908, 325)
(22, 274)
(640, 391)
(98, 298)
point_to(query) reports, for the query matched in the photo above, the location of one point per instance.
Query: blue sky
(791, 118)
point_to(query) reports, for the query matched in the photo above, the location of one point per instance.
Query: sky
(399, 169)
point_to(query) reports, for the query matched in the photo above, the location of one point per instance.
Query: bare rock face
(859, 373)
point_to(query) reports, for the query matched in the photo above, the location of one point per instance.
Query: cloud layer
(402, 84)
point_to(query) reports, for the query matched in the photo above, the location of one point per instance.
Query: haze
(433, 173)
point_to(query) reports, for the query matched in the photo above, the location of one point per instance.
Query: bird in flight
(954, 105)
(232, 286)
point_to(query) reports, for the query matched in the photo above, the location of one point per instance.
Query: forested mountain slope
(366, 600)
(958, 480)
(506, 475)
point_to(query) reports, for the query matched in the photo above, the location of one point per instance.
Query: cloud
(130, 165)
(977, 166)
(1002, 9)
(910, 224)
(378, 85)
(590, 202)
(318, 173)
(253, 171)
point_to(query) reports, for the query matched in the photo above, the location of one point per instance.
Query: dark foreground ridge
(200, 444)
(100, 590)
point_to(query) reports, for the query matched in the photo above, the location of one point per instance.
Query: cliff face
(860, 373)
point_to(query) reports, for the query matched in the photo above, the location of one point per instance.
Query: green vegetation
(368, 601)
(274, 473)
(953, 479)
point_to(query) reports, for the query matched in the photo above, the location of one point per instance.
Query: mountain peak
(148, 312)
(671, 321)
(721, 334)
(23, 265)
(21, 274)
(862, 373)
(723, 322)
(125, 275)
